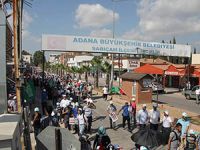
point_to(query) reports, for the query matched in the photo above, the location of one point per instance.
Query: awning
(172, 71)
(149, 69)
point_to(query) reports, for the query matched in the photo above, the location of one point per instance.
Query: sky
(145, 20)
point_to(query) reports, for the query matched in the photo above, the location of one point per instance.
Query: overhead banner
(109, 45)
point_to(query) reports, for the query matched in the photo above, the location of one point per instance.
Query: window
(134, 88)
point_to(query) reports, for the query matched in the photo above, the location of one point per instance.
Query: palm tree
(96, 64)
(80, 71)
(106, 68)
(86, 70)
(73, 70)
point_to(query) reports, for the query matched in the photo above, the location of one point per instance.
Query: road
(172, 99)
(179, 101)
(119, 136)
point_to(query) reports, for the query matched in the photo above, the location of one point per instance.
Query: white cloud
(94, 15)
(166, 18)
(101, 33)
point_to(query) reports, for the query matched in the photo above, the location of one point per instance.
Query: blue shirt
(125, 110)
(185, 124)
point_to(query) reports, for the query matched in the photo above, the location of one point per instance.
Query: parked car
(191, 94)
(156, 87)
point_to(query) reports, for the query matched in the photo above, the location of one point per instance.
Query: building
(27, 58)
(79, 60)
(196, 59)
(135, 85)
(172, 75)
(54, 58)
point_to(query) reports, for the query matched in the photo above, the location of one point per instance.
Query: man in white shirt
(142, 117)
(105, 92)
(88, 113)
(82, 122)
(166, 127)
(64, 102)
(154, 117)
(197, 92)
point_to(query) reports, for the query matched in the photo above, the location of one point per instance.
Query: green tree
(86, 69)
(106, 68)
(74, 70)
(80, 71)
(97, 65)
(174, 40)
(163, 41)
(38, 58)
(24, 52)
(195, 50)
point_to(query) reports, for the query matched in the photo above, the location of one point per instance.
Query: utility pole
(16, 52)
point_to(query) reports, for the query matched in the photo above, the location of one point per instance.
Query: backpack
(103, 142)
(176, 137)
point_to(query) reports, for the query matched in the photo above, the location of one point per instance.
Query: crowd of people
(69, 103)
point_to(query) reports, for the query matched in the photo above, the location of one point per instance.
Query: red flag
(122, 92)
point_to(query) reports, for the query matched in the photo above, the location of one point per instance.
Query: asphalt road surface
(179, 101)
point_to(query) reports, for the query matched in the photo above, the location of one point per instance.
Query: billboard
(110, 45)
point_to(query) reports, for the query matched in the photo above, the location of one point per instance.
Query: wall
(3, 88)
(127, 87)
(196, 59)
(141, 96)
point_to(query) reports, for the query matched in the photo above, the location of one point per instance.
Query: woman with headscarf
(102, 140)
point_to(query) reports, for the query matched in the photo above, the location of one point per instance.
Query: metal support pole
(16, 54)
(112, 55)
(43, 61)
(58, 139)
(119, 68)
(3, 85)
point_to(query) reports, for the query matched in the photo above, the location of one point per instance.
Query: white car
(156, 87)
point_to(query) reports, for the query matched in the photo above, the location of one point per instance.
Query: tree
(73, 70)
(86, 70)
(96, 64)
(106, 68)
(24, 52)
(170, 42)
(163, 41)
(174, 40)
(80, 71)
(195, 50)
(38, 58)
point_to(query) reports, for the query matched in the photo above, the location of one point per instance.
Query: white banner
(109, 45)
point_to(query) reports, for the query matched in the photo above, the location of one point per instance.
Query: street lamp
(112, 55)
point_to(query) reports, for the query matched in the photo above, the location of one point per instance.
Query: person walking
(82, 122)
(105, 92)
(102, 140)
(111, 110)
(154, 116)
(44, 98)
(175, 138)
(36, 121)
(191, 141)
(166, 127)
(184, 121)
(88, 113)
(197, 92)
(133, 112)
(125, 115)
(142, 117)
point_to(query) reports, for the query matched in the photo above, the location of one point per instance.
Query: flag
(121, 91)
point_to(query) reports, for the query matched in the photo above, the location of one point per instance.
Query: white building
(79, 60)
(195, 59)
(27, 58)
(54, 58)
(125, 63)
